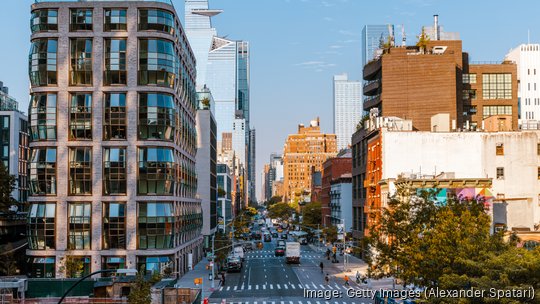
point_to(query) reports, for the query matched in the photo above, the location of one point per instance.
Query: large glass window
(81, 20)
(115, 62)
(79, 220)
(158, 63)
(154, 264)
(497, 86)
(81, 62)
(112, 262)
(4, 142)
(115, 122)
(469, 78)
(43, 171)
(488, 111)
(41, 226)
(156, 116)
(156, 225)
(44, 20)
(80, 171)
(157, 172)
(42, 62)
(42, 267)
(43, 116)
(115, 20)
(80, 117)
(115, 171)
(156, 19)
(114, 225)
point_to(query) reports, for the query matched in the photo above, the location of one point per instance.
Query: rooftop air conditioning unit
(438, 50)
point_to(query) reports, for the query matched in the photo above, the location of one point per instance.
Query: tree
(281, 210)
(250, 211)
(423, 41)
(273, 200)
(8, 263)
(140, 292)
(73, 267)
(7, 185)
(312, 214)
(221, 192)
(330, 234)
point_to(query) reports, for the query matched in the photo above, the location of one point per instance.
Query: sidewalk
(199, 271)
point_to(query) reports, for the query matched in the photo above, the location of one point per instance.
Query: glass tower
(371, 38)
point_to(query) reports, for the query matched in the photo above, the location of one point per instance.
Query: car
(281, 243)
(267, 237)
(248, 246)
(275, 234)
(303, 241)
(279, 251)
(284, 236)
(234, 264)
(255, 236)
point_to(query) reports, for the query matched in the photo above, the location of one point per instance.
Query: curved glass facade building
(112, 123)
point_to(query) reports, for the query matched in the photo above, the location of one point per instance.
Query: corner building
(112, 121)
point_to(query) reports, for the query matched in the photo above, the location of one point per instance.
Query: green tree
(312, 214)
(8, 262)
(250, 212)
(140, 292)
(423, 41)
(73, 267)
(273, 200)
(330, 234)
(7, 185)
(281, 211)
(221, 192)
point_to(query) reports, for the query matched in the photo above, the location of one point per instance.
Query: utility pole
(213, 260)
(344, 252)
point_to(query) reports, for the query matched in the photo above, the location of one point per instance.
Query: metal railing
(160, 1)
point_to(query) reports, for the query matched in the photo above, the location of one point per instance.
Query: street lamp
(117, 271)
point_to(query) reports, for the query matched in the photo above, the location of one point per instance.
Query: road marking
(271, 287)
(307, 276)
(228, 288)
(321, 286)
(221, 288)
(278, 287)
(292, 286)
(318, 302)
(235, 287)
(264, 286)
(249, 287)
(287, 276)
(290, 302)
(285, 285)
(330, 286)
(300, 286)
(257, 286)
(308, 302)
(282, 302)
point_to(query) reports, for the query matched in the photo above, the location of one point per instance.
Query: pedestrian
(222, 278)
(335, 258)
(346, 280)
(357, 277)
(326, 279)
(322, 266)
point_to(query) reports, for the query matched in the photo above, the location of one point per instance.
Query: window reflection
(115, 20)
(158, 62)
(156, 19)
(156, 225)
(115, 62)
(44, 20)
(156, 116)
(81, 62)
(115, 122)
(41, 226)
(157, 171)
(43, 171)
(80, 117)
(114, 225)
(80, 171)
(81, 20)
(42, 62)
(115, 171)
(43, 116)
(79, 221)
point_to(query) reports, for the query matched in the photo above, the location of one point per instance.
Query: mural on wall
(441, 195)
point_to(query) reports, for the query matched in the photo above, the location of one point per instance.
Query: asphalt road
(266, 279)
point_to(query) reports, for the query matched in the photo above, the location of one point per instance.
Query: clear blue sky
(298, 45)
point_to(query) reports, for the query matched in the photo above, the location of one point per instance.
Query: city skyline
(326, 42)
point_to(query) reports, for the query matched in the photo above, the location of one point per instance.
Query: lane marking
(321, 286)
(257, 286)
(278, 287)
(228, 288)
(292, 286)
(300, 286)
(264, 286)
(285, 286)
(271, 287)
(249, 287)
(235, 287)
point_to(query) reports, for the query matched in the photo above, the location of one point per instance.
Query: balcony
(371, 69)
(371, 87)
(372, 101)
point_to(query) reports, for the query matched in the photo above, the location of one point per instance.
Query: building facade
(224, 207)
(341, 201)
(206, 162)
(112, 169)
(527, 58)
(333, 169)
(14, 144)
(302, 151)
(347, 109)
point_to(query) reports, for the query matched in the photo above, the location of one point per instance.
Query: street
(267, 279)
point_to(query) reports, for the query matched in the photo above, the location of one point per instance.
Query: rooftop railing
(160, 1)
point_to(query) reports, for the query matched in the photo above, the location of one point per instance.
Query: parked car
(275, 235)
(280, 251)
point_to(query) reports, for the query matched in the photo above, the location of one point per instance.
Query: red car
(280, 251)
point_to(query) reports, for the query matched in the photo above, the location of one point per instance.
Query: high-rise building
(14, 142)
(224, 207)
(239, 140)
(206, 162)
(302, 151)
(251, 166)
(347, 109)
(527, 58)
(112, 169)
(372, 36)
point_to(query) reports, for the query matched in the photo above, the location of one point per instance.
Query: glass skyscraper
(371, 37)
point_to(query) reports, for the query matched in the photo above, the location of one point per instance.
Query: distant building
(316, 185)
(347, 109)
(14, 144)
(302, 151)
(226, 141)
(372, 36)
(333, 169)
(224, 206)
(341, 201)
(527, 58)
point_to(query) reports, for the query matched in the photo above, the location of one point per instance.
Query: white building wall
(239, 139)
(344, 202)
(473, 155)
(347, 109)
(527, 58)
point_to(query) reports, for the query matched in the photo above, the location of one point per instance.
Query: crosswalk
(266, 254)
(285, 286)
(289, 302)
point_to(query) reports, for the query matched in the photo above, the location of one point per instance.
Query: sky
(298, 45)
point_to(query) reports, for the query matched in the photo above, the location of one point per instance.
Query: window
(538, 148)
(43, 171)
(4, 141)
(115, 122)
(499, 149)
(157, 171)
(156, 19)
(500, 173)
(469, 78)
(43, 116)
(42, 62)
(80, 171)
(79, 220)
(77, 273)
(469, 94)
(81, 62)
(114, 225)
(81, 20)
(156, 116)
(44, 20)
(112, 262)
(42, 267)
(497, 86)
(115, 62)
(155, 225)
(115, 20)
(539, 173)
(80, 117)
(154, 263)
(496, 110)
(115, 171)
(158, 62)
(41, 226)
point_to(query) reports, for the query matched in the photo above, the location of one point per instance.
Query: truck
(239, 252)
(269, 223)
(292, 253)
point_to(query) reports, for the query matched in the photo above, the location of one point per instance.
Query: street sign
(340, 228)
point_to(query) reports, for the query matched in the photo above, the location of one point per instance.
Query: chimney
(436, 26)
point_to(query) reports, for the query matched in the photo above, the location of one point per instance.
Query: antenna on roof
(403, 36)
